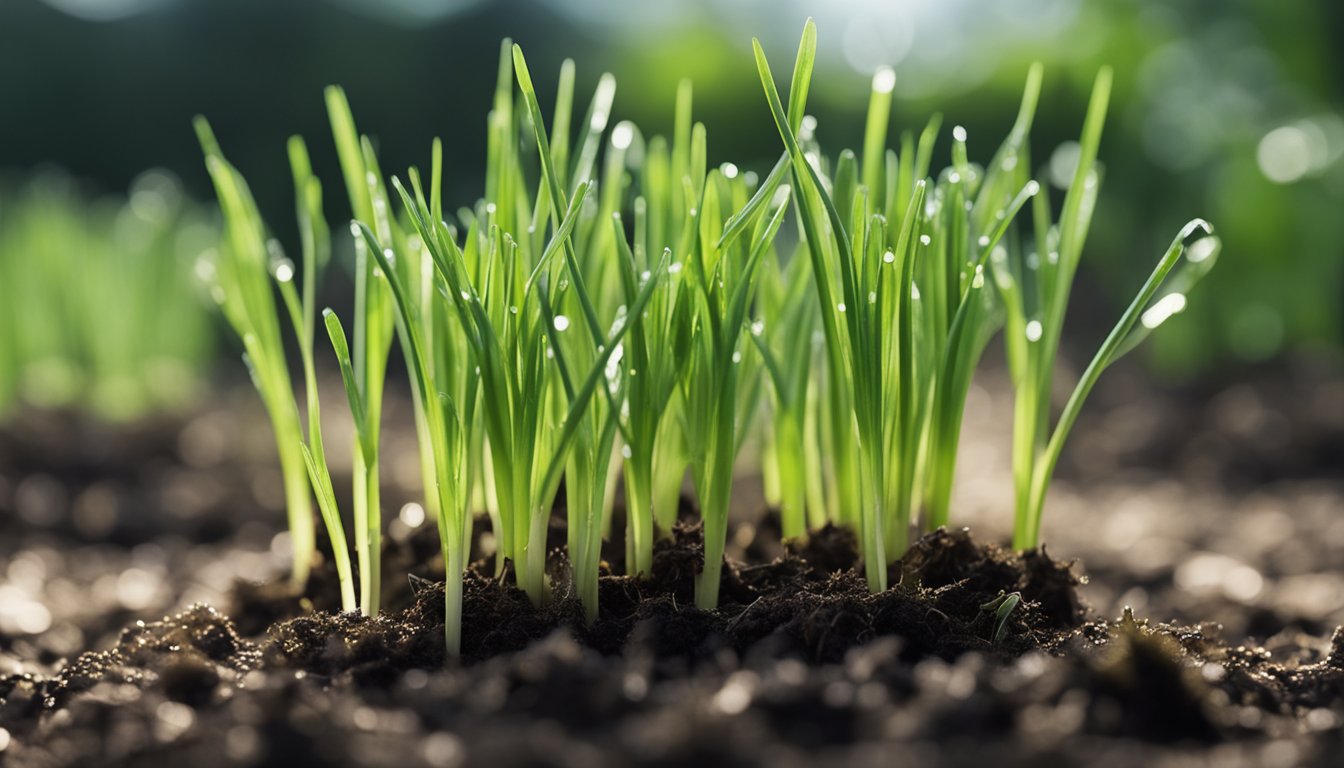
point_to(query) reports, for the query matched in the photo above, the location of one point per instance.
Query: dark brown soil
(816, 658)
(800, 665)
(786, 608)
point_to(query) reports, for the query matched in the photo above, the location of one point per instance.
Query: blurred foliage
(98, 306)
(1226, 109)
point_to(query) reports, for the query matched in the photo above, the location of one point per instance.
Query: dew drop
(626, 452)
(983, 242)
(561, 323)
(925, 240)
(623, 134)
(1034, 330)
(884, 80)
(284, 270)
(888, 257)
(1159, 313)
(737, 357)
(1201, 250)
(840, 307)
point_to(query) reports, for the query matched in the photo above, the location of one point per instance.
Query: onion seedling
(972, 212)
(514, 365)
(373, 327)
(1035, 289)
(589, 260)
(906, 256)
(833, 410)
(316, 248)
(242, 277)
(722, 273)
(654, 451)
(552, 322)
(99, 309)
(866, 328)
(654, 354)
(447, 419)
(598, 353)
(784, 338)
(504, 288)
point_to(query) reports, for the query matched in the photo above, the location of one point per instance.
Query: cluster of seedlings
(98, 305)
(614, 310)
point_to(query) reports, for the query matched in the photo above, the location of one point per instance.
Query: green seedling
(614, 309)
(1003, 607)
(1034, 286)
(100, 311)
(243, 287)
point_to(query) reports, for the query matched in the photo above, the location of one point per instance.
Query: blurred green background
(1232, 110)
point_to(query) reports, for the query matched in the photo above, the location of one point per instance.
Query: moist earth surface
(1186, 612)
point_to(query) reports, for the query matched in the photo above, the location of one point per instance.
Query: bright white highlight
(623, 134)
(1165, 307)
(413, 515)
(884, 80)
